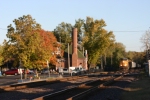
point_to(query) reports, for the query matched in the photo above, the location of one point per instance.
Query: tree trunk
(105, 60)
(25, 74)
(101, 63)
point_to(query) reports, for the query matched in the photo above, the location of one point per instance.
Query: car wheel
(15, 73)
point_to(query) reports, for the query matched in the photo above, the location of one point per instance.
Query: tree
(91, 35)
(79, 24)
(138, 57)
(49, 45)
(118, 54)
(25, 43)
(145, 39)
(1, 56)
(96, 39)
(108, 55)
(63, 34)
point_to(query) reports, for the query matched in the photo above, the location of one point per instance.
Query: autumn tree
(49, 45)
(25, 43)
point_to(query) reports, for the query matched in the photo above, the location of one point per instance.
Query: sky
(128, 19)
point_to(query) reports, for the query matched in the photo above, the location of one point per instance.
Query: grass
(138, 90)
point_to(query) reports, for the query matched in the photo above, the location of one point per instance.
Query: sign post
(48, 68)
(20, 72)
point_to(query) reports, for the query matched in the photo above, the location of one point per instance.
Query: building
(72, 57)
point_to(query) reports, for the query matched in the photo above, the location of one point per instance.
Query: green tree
(96, 39)
(118, 54)
(138, 57)
(63, 33)
(1, 56)
(91, 35)
(79, 24)
(108, 55)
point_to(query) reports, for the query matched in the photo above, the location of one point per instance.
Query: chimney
(74, 48)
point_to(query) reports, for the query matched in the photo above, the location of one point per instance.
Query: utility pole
(68, 57)
(60, 51)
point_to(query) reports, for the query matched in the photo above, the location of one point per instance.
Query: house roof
(80, 54)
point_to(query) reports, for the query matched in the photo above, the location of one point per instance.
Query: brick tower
(74, 48)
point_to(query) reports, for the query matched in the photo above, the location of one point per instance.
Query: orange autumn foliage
(49, 43)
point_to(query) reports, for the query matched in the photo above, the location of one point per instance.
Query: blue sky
(128, 19)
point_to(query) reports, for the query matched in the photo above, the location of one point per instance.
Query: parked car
(83, 71)
(11, 72)
(30, 71)
(75, 71)
(70, 71)
(45, 71)
(65, 71)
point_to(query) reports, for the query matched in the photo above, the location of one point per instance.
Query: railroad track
(41, 90)
(77, 92)
(18, 86)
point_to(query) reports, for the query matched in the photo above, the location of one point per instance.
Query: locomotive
(126, 64)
